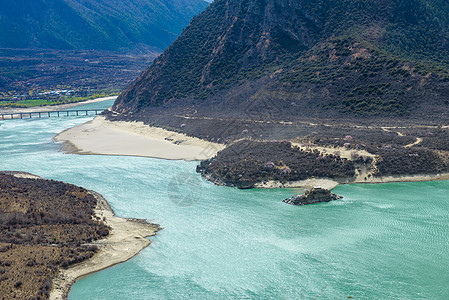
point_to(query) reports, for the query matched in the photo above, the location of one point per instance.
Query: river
(385, 241)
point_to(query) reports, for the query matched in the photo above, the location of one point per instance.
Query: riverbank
(327, 184)
(104, 137)
(54, 233)
(327, 164)
(125, 240)
(406, 178)
(53, 107)
(330, 184)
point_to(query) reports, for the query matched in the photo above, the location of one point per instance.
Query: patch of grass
(51, 102)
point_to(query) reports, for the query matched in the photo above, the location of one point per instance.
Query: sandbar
(101, 136)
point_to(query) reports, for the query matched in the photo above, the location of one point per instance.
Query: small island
(312, 196)
(54, 233)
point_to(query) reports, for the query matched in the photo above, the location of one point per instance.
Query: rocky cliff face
(304, 58)
(230, 37)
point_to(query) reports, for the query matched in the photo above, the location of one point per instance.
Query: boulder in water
(315, 195)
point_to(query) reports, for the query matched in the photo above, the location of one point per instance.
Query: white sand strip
(126, 239)
(330, 184)
(307, 183)
(406, 178)
(100, 136)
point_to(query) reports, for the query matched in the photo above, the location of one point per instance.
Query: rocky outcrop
(315, 195)
(246, 163)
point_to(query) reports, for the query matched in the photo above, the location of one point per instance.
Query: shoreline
(103, 137)
(53, 107)
(126, 239)
(330, 184)
(405, 178)
(327, 184)
(120, 138)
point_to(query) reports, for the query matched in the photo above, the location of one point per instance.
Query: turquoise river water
(386, 241)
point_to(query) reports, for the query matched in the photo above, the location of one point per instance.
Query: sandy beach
(126, 239)
(100, 136)
(307, 183)
(8, 110)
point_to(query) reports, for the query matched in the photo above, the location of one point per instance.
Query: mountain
(94, 24)
(303, 58)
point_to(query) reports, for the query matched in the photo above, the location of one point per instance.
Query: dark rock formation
(315, 195)
(245, 163)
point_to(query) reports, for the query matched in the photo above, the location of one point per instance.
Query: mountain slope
(304, 58)
(94, 24)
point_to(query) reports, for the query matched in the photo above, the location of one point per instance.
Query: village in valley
(52, 97)
(53, 77)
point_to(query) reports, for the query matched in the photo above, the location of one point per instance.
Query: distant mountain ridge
(306, 57)
(94, 24)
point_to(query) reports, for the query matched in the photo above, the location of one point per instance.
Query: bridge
(48, 114)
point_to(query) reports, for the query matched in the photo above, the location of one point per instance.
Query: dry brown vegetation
(245, 163)
(335, 151)
(45, 225)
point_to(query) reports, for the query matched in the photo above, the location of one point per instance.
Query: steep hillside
(94, 24)
(315, 58)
